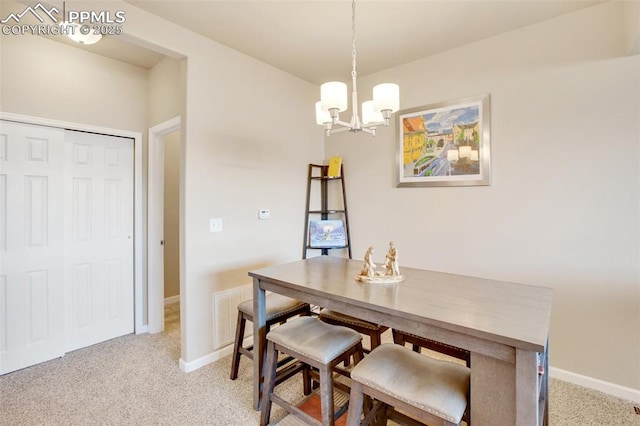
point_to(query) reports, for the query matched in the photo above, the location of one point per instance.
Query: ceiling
(312, 39)
(111, 47)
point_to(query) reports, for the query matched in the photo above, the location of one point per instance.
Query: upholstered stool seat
(372, 330)
(278, 309)
(316, 344)
(431, 390)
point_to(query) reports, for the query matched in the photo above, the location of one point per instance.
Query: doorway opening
(164, 210)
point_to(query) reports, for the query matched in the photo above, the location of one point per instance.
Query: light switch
(215, 224)
(264, 214)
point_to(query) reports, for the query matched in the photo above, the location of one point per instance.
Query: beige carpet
(135, 380)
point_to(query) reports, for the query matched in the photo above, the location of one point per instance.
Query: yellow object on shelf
(335, 164)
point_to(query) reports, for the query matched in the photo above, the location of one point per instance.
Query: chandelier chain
(353, 39)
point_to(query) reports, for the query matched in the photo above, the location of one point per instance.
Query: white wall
(166, 90)
(563, 206)
(44, 78)
(631, 12)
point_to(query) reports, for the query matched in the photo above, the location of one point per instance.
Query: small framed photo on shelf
(326, 234)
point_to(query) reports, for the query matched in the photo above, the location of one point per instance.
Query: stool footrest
(289, 371)
(340, 404)
(292, 409)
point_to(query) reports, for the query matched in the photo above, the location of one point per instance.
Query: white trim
(596, 384)
(155, 222)
(171, 300)
(188, 367)
(139, 264)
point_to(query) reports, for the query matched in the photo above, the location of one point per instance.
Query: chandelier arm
(342, 123)
(339, 130)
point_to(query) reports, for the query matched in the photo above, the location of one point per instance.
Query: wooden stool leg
(269, 383)
(306, 380)
(375, 340)
(382, 415)
(355, 405)
(358, 354)
(235, 360)
(397, 337)
(326, 395)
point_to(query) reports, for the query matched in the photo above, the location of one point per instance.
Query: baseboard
(596, 384)
(188, 367)
(171, 300)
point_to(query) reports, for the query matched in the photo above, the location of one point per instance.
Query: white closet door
(98, 260)
(66, 241)
(31, 245)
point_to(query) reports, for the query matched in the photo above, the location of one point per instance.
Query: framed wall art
(444, 144)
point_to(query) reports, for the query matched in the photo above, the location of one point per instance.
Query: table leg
(504, 393)
(259, 339)
(493, 391)
(527, 388)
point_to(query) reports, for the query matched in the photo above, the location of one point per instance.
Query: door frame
(155, 222)
(138, 264)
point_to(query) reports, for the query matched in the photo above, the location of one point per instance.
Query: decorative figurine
(391, 274)
(391, 261)
(369, 268)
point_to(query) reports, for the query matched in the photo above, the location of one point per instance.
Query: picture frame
(327, 234)
(444, 144)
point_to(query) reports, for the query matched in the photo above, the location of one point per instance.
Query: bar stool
(428, 389)
(401, 337)
(279, 309)
(318, 345)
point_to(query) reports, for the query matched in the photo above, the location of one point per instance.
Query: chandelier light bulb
(386, 97)
(369, 114)
(333, 95)
(322, 116)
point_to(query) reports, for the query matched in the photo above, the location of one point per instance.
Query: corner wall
(562, 209)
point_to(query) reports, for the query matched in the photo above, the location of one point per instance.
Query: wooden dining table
(504, 325)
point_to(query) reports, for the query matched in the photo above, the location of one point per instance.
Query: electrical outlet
(215, 224)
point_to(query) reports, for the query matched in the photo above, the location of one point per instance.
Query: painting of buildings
(442, 142)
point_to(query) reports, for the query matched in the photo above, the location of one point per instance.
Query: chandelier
(333, 100)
